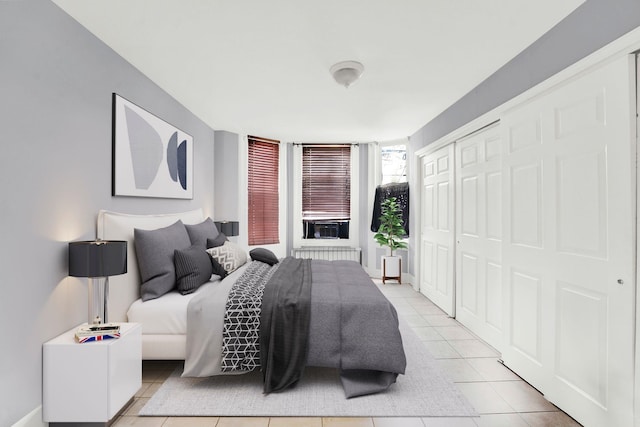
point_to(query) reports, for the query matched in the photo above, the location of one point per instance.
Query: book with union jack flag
(97, 332)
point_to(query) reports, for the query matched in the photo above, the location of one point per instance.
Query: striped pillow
(193, 268)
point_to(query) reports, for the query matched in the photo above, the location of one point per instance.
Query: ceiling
(262, 67)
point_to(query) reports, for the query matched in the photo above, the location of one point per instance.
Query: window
(263, 194)
(393, 163)
(326, 191)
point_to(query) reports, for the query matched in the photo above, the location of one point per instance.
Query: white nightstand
(90, 382)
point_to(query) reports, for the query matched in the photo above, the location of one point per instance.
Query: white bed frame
(125, 289)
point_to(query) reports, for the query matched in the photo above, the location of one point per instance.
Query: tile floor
(500, 397)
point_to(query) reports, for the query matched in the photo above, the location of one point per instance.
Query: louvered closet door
(437, 250)
(479, 234)
(569, 174)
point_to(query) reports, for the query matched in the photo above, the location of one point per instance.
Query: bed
(349, 325)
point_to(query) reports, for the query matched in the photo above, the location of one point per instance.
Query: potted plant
(390, 234)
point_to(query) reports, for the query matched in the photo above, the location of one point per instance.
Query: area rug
(424, 391)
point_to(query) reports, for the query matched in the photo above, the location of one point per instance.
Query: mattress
(166, 315)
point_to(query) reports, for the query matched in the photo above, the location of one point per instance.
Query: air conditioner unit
(326, 230)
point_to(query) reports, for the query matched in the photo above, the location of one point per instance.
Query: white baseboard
(32, 419)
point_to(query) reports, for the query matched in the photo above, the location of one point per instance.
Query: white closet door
(569, 174)
(438, 234)
(479, 234)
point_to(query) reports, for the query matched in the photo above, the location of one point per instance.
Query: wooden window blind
(264, 157)
(326, 182)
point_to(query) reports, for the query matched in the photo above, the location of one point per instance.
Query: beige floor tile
(398, 302)
(449, 422)
(391, 287)
(473, 348)
(427, 333)
(522, 397)
(415, 320)
(135, 407)
(127, 421)
(501, 420)
(484, 398)
(295, 422)
(423, 310)
(150, 391)
(398, 422)
(459, 370)
(441, 350)
(143, 388)
(405, 289)
(191, 422)
(432, 310)
(407, 310)
(440, 320)
(492, 370)
(420, 301)
(243, 422)
(347, 422)
(546, 419)
(454, 333)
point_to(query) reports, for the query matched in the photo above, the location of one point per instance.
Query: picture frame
(151, 158)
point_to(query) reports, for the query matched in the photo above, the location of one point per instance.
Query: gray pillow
(155, 250)
(200, 233)
(217, 241)
(263, 255)
(193, 268)
(218, 268)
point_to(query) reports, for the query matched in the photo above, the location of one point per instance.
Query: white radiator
(328, 253)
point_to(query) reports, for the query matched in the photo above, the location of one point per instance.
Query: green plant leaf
(391, 230)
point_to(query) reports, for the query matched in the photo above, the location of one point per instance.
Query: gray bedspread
(353, 327)
(284, 324)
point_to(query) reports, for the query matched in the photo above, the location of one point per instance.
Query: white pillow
(230, 256)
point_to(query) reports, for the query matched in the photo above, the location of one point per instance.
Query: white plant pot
(390, 266)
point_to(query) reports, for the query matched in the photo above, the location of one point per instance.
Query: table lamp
(97, 260)
(229, 228)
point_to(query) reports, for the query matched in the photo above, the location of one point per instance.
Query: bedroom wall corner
(413, 172)
(226, 206)
(32, 419)
(56, 85)
(364, 209)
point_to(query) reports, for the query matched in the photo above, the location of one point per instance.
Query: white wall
(56, 81)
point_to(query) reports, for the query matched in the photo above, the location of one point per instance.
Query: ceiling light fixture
(346, 73)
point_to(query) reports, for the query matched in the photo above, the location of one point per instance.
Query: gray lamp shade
(97, 258)
(229, 228)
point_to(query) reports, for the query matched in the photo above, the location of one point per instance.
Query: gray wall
(56, 82)
(591, 26)
(226, 177)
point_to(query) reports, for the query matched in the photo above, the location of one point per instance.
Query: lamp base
(98, 296)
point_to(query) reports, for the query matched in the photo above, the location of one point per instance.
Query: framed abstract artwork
(151, 158)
